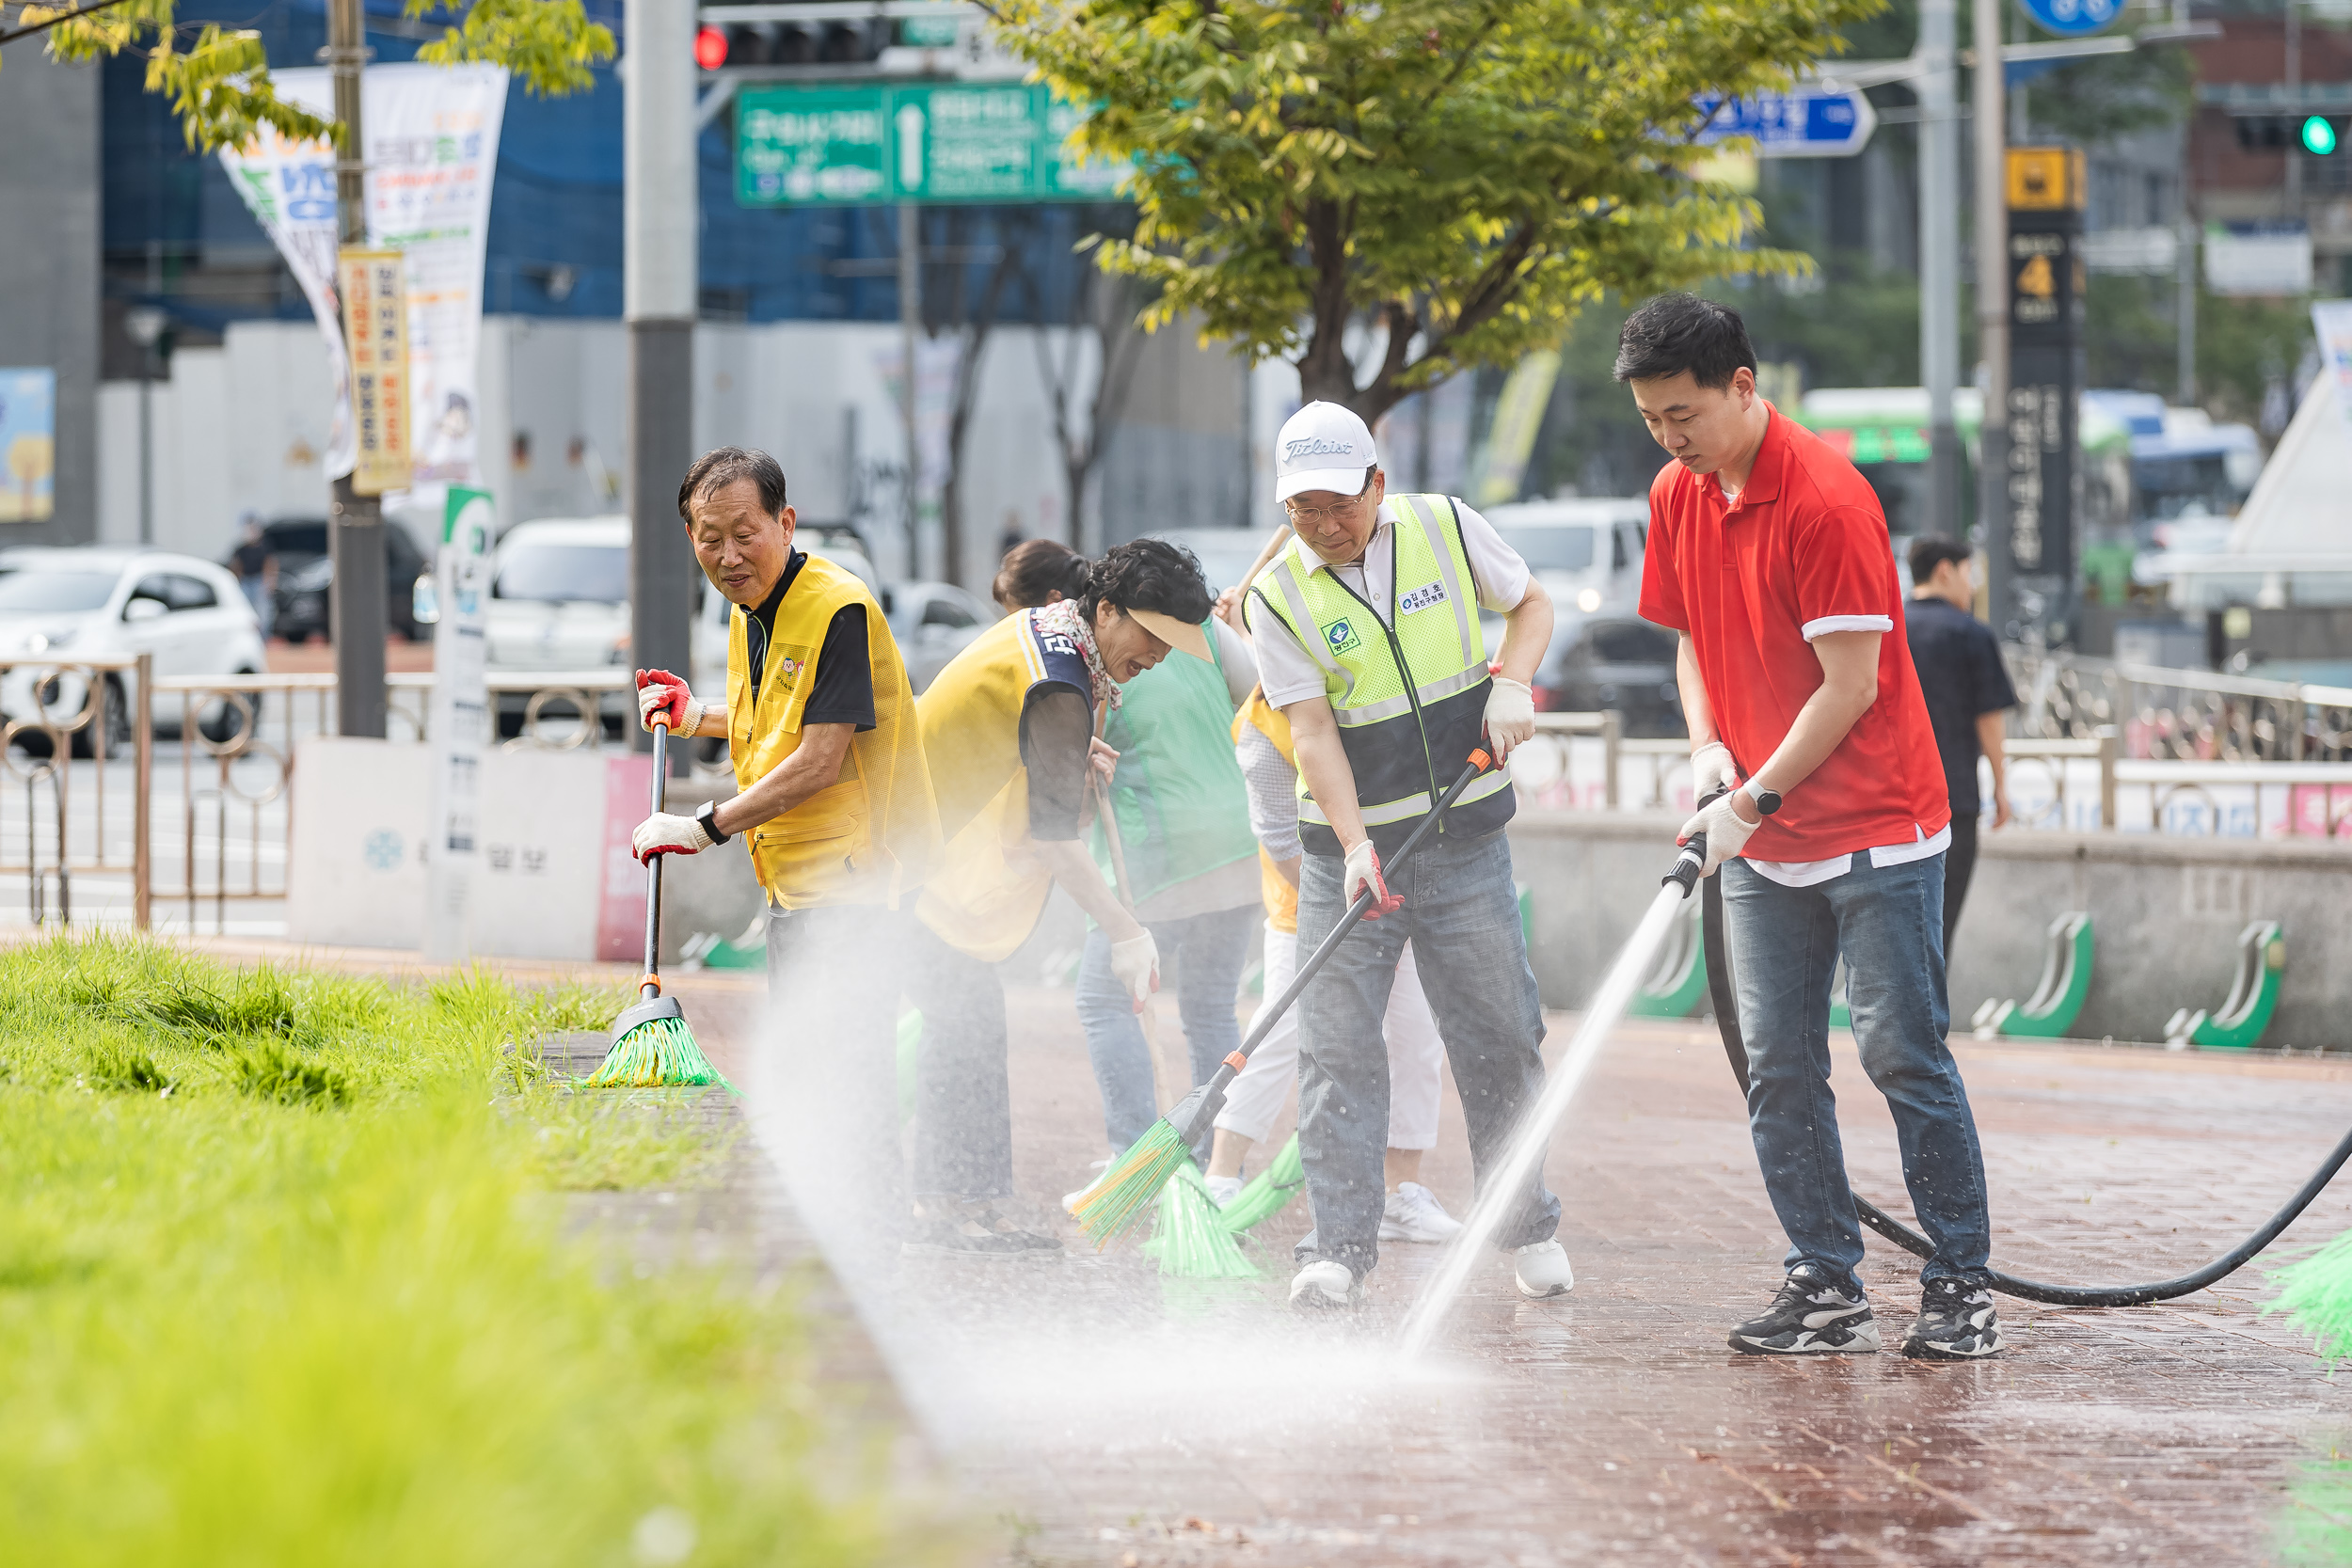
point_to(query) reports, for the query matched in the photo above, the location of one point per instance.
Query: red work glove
(665, 833)
(1363, 871)
(667, 697)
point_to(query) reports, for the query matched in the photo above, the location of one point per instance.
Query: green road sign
(949, 142)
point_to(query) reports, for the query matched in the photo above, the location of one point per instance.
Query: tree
(220, 84)
(1461, 176)
(1102, 310)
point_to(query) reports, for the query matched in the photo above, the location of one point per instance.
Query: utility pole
(2294, 110)
(1939, 261)
(660, 296)
(2184, 304)
(910, 322)
(356, 606)
(1992, 315)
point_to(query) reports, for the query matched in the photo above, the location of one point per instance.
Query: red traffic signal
(710, 48)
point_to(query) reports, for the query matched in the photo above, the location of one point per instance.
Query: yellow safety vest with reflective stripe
(871, 836)
(1274, 889)
(1408, 688)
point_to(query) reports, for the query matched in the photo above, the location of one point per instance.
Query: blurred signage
(375, 295)
(870, 144)
(2258, 259)
(2047, 180)
(2048, 282)
(28, 444)
(2074, 19)
(459, 719)
(2154, 250)
(2331, 324)
(1862, 444)
(1502, 467)
(1810, 122)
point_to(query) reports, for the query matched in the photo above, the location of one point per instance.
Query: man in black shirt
(1967, 690)
(843, 692)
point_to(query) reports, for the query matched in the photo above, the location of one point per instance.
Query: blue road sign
(1810, 122)
(2074, 19)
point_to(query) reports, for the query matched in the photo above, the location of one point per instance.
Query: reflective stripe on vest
(1408, 692)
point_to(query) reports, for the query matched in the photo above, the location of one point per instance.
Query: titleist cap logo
(1318, 445)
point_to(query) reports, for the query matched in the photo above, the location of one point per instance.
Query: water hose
(1686, 865)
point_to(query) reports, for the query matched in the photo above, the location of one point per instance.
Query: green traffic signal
(2319, 135)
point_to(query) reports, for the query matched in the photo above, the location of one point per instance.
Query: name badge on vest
(1421, 598)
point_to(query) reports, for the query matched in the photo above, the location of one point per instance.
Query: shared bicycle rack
(2262, 962)
(2058, 998)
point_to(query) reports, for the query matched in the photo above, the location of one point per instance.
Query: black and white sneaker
(1956, 1323)
(1810, 1317)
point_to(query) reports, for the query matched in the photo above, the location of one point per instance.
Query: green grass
(274, 1288)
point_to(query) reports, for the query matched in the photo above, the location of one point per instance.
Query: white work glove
(660, 693)
(1363, 871)
(666, 833)
(1510, 715)
(1137, 962)
(1726, 834)
(1712, 769)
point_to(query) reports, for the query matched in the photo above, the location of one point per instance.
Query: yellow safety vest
(871, 836)
(1274, 889)
(990, 887)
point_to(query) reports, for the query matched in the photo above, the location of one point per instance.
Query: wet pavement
(1100, 1414)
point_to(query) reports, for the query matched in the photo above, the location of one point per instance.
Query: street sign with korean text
(2074, 19)
(1810, 122)
(868, 143)
(374, 285)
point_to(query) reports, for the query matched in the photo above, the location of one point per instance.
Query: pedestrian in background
(256, 570)
(1967, 690)
(1768, 552)
(1184, 821)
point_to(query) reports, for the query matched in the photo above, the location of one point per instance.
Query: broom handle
(1271, 1014)
(650, 987)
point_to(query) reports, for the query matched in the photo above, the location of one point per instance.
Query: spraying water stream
(1505, 1182)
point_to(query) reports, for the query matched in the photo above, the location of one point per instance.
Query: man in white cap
(1368, 639)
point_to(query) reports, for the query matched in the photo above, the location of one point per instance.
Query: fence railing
(2180, 715)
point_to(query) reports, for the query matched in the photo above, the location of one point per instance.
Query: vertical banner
(1501, 466)
(2332, 323)
(431, 136)
(2047, 300)
(375, 338)
(28, 444)
(458, 723)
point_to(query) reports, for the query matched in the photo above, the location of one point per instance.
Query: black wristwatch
(707, 815)
(1766, 801)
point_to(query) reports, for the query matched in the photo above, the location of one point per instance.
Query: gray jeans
(829, 1074)
(1461, 914)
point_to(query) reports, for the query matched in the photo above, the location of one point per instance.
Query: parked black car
(306, 571)
(1624, 664)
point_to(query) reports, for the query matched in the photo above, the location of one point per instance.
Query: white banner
(459, 721)
(2331, 320)
(432, 134)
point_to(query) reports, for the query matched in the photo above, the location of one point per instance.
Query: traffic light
(710, 48)
(2319, 135)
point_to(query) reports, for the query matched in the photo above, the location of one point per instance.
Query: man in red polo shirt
(1769, 553)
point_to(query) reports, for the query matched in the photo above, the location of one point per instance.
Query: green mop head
(652, 1048)
(1190, 1239)
(2318, 1294)
(1268, 1192)
(1122, 1194)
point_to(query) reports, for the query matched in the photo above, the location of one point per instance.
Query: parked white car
(72, 603)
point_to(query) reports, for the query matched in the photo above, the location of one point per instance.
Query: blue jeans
(1205, 954)
(1461, 914)
(1785, 941)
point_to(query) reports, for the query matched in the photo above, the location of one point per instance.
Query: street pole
(1939, 261)
(356, 610)
(660, 296)
(2294, 110)
(1992, 315)
(2185, 308)
(910, 321)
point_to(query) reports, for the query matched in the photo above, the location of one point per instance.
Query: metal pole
(1939, 261)
(1992, 315)
(147, 448)
(358, 616)
(2185, 307)
(143, 797)
(661, 214)
(910, 321)
(2294, 124)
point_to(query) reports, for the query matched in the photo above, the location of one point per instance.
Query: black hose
(1727, 1022)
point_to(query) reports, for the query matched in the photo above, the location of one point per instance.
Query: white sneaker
(1414, 1214)
(1069, 1200)
(1324, 1286)
(1543, 1270)
(1222, 1189)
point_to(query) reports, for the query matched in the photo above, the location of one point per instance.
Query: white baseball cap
(1323, 447)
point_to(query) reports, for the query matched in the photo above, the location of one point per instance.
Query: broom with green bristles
(1190, 1238)
(1268, 1192)
(1118, 1196)
(652, 1047)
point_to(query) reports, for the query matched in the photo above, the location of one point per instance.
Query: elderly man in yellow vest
(1368, 639)
(834, 804)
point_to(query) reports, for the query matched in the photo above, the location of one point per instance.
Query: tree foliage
(1459, 177)
(219, 83)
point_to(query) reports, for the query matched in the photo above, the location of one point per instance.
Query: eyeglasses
(1315, 516)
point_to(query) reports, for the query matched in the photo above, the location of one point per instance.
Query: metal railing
(2180, 715)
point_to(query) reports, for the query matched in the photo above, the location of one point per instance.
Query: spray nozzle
(1692, 860)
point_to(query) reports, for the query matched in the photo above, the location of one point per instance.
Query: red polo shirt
(1803, 551)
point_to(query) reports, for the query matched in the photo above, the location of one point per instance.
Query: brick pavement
(1114, 1418)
